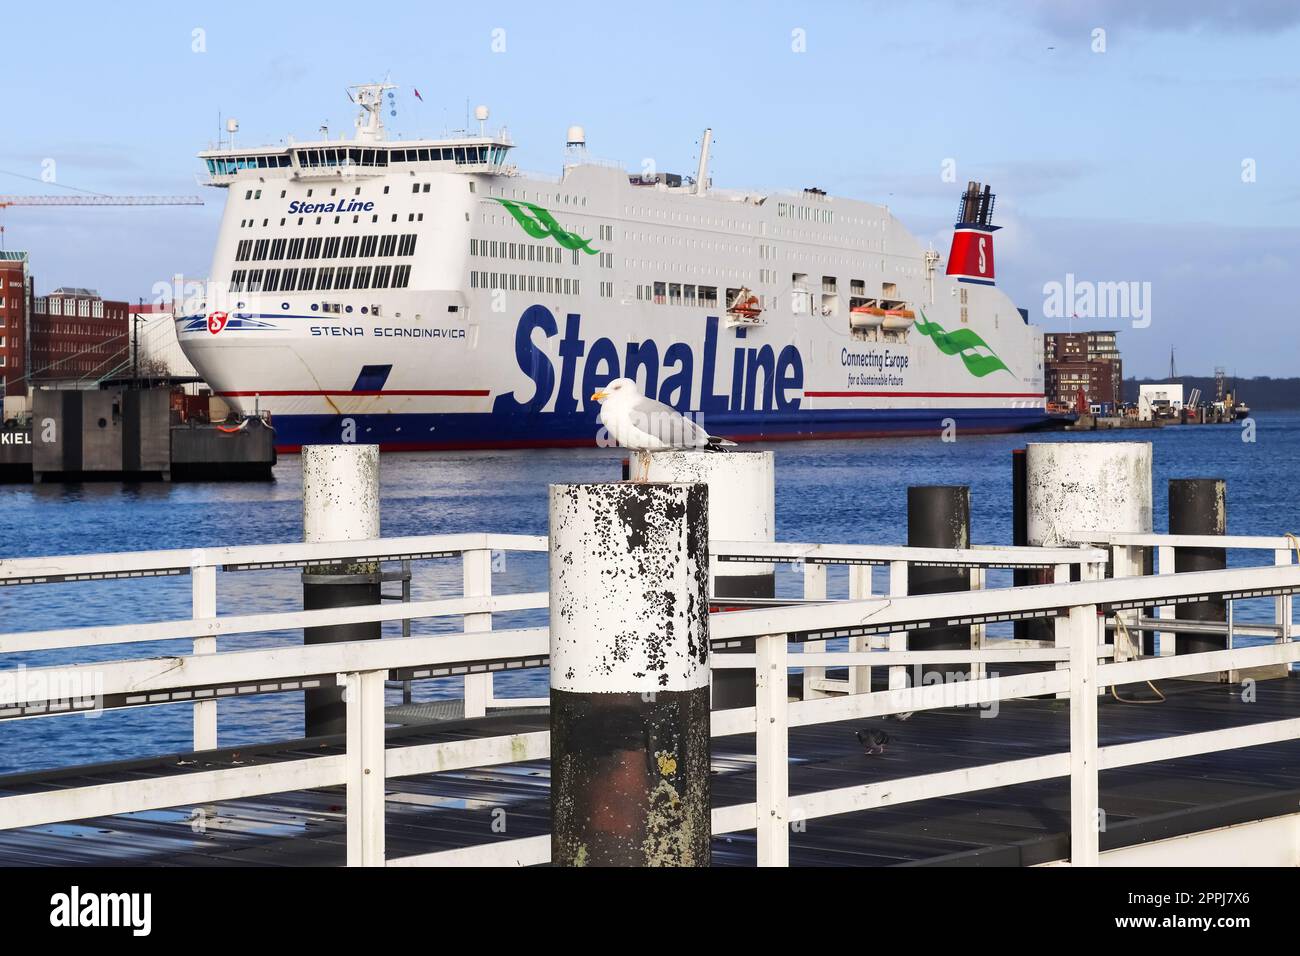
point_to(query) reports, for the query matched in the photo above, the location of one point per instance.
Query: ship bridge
(369, 153)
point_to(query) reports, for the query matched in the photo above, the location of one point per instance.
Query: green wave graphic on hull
(963, 343)
(544, 225)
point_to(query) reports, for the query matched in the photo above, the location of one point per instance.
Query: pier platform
(1022, 825)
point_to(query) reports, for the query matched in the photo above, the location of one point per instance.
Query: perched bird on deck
(642, 424)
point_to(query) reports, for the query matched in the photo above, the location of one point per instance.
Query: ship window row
(324, 157)
(461, 155)
(512, 282)
(326, 277)
(522, 251)
(678, 293)
(326, 247)
(228, 166)
(789, 210)
(545, 199)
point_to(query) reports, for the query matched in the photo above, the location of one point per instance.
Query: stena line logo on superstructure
(761, 377)
(298, 208)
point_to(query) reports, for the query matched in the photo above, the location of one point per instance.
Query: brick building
(15, 301)
(78, 336)
(1087, 360)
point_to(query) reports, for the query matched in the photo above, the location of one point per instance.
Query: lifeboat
(898, 320)
(745, 306)
(866, 317)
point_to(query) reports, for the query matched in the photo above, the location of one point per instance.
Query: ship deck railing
(1080, 613)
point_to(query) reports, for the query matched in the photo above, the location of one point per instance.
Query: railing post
(364, 694)
(1084, 788)
(814, 589)
(978, 578)
(1282, 605)
(898, 639)
(772, 751)
(1061, 629)
(203, 603)
(1165, 565)
(859, 590)
(1124, 560)
(478, 583)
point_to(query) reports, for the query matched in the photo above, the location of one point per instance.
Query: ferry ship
(426, 294)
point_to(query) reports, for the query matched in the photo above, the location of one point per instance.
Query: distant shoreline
(1261, 394)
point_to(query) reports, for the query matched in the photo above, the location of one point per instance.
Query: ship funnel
(971, 257)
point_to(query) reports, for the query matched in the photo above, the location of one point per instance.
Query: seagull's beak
(599, 395)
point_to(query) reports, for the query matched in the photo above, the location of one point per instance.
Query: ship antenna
(370, 118)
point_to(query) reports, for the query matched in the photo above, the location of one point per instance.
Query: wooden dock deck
(1018, 825)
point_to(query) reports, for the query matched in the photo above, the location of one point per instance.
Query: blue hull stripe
(499, 430)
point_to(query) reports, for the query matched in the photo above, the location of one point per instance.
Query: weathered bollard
(340, 502)
(742, 507)
(1199, 506)
(938, 516)
(1077, 487)
(1073, 488)
(629, 642)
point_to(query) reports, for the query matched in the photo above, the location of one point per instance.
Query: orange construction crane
(95, 200)
(6, 201)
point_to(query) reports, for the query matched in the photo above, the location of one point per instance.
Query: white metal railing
(815, 559)
(1078, 609)
(476, 606)
(1128, 556)
(474, 550)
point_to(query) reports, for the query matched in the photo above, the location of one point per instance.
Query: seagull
(642, 424)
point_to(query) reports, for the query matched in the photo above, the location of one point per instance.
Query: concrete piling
(1073, 488)
(340, 502)
(742, 507)
(1077, 487)
(629, 696)
(1199, 506)
(938, 516)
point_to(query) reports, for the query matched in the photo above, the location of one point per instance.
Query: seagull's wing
(666, 424)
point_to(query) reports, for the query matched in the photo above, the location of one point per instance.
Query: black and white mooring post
(938, 516)
(340, 502)
(742, 507)
(629, 642)
(1199, 506)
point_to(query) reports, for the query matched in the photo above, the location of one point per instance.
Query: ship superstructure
(427, 294)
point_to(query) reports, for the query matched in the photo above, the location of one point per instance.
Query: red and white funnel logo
(971, 256)
(217, 321)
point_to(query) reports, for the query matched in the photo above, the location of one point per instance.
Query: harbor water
(849, 492)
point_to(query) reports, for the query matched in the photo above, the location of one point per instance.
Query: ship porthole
(315, 307)
(348, 309)
(364, 310)
(285, 306)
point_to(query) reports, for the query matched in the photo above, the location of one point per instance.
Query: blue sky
(1117, 166)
